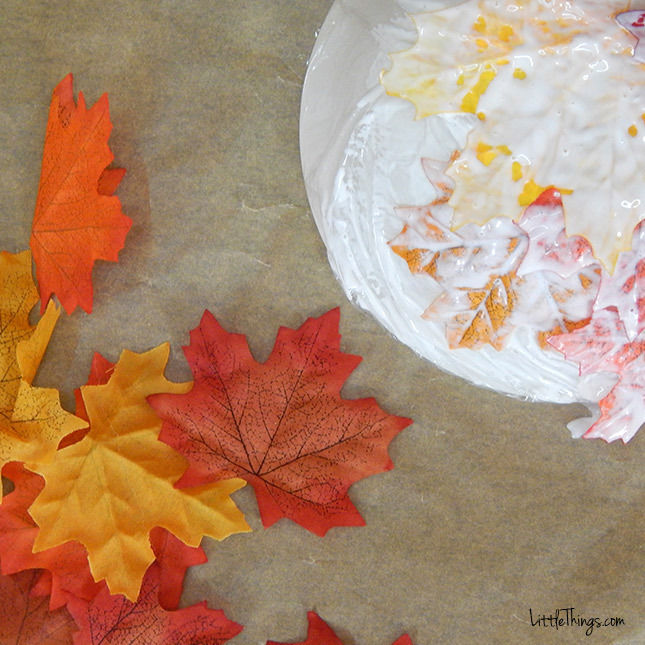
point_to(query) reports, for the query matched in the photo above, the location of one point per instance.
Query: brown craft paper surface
(491, 510)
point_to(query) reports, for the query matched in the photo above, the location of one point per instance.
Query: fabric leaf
(31, 420)
(461, 259)
(476, 267)
(281, 425)
(320, 633)
(603, 346)
(77, 220)
(403, 640)
(66, 565)
(173, 557)
(477, 317)
(26, 619)
(67, 573)
(104, 490)
(114, 620)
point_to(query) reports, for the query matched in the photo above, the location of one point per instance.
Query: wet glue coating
(557, 100)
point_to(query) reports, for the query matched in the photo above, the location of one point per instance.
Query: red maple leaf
(77, 220)
(25, 619)
(173, 557)
(320, 633)
(280, 425)
(114, 620)
(403, 640)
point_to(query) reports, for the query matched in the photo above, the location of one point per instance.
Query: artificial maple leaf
(26, 619)
(403, 640)
(550, 248)
(104, 490)
(467, 258)
(100, 371)
(477, 317)
(280, 425)
(63, 581)
(31, 419)
(66, 572)
(171, 554)
(320, 633)
(77, 220)
(603, 346)
(173, 557)
(114, 620)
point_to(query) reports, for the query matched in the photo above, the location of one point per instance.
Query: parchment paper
(492, 509)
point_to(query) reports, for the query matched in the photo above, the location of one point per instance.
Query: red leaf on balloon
(604, 346)
(281, 425)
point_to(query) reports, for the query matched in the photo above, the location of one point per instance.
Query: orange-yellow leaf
(477, 317)
(105, 490)
(77, 219)
(32, 423)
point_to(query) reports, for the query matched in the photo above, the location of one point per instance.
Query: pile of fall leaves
(107, 507)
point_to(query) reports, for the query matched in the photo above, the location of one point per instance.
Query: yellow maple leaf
(105, 490)
(32, 423)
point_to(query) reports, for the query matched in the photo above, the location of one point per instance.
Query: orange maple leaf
(77, 219)
(477, 273)
(280, 425)
(477, 317)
